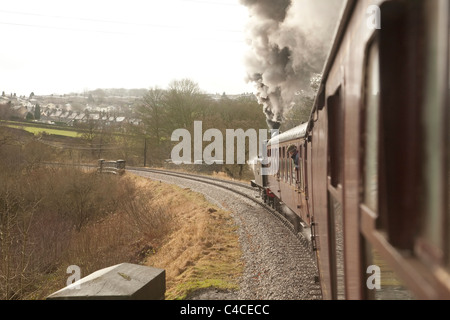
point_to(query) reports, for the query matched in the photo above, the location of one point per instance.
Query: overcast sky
(54, 46)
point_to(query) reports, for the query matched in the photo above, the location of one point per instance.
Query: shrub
(51, 218)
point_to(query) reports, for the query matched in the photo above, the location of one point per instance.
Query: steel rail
(301, 236)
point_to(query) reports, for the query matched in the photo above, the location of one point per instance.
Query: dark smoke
(273, 125)
(289, 42)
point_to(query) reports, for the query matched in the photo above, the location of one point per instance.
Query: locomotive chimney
(273, 125)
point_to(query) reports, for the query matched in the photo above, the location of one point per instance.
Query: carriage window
(281, 155)
(292, 171)
(391, 287)
(335, 138)
(371, 136)
(299, 173)
(289, 162)
(335, 212)
(436, 226)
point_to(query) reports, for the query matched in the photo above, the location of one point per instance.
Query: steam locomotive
(372, 184)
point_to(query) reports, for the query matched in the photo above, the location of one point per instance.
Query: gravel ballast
(278, 265)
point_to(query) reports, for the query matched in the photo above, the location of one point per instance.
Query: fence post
(120, 164)
(100, 165)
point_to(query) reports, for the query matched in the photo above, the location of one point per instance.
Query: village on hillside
(70, 109)
(110, 107)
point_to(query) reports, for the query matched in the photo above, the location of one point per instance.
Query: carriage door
(335, 193)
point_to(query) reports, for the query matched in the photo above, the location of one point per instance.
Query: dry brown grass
(196, 242)
(53, 218)
(125, 219)
(129, 230)
(203, 251)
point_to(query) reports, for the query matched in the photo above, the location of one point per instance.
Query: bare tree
(185, 103)
(16, 217)
(153, 114)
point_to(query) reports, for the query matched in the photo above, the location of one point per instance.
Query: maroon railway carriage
(374, 179)
(288, 188)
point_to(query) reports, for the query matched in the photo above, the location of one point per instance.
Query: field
(37, 130)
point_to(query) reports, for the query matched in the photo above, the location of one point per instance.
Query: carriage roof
(293, 134)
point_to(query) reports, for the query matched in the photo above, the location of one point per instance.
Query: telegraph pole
(145, 150)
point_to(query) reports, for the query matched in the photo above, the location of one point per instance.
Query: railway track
(304, 235)
(279, 262)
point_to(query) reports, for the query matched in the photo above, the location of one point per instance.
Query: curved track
(279, 262)
(303, 236)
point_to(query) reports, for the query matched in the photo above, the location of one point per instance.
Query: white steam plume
(289, 41)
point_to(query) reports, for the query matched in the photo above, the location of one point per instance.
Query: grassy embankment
(94, 222)
(198, 246)
(203, 251)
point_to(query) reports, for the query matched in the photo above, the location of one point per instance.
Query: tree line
(165, 110)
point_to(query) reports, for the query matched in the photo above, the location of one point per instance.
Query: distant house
(27, 104)
(21, 112)
(135, 122)
(94, 116)
(70, 118)
(64, 115)
(55, 116)
(45, 114)
(80, 117)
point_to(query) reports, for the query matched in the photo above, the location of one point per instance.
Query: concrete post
(120, 282)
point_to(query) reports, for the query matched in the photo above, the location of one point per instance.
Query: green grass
(37, 130)
(189, 287)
